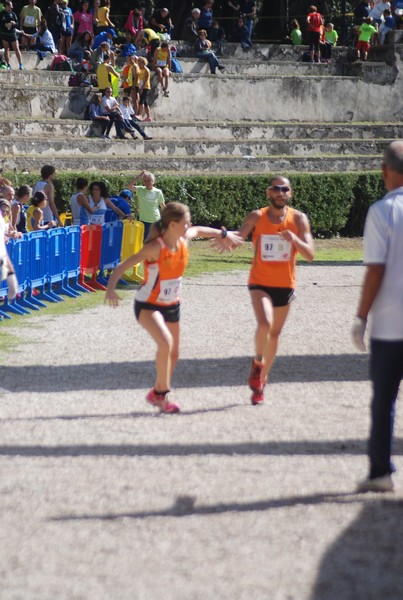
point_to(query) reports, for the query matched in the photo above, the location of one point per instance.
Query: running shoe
(255, 377)
(161, 401)
(257, 398)
(378, 484)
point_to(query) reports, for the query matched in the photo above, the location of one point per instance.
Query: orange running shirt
(163, 278)
(273, 264)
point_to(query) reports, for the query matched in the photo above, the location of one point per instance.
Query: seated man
(161, 21)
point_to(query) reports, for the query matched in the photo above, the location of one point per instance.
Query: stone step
(191, 165)
(182, 149)
(222, 131)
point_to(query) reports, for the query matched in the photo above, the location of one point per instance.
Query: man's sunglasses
(280, 188)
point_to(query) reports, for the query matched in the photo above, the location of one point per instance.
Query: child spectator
(331, 37)
(295, 34)
(386, 26)
(144, 85)
(83, 18)
(241, 34)
(37, 204)
(203, 50)
(217, 35)
(130, 121)
(365, 33)
(162, 65)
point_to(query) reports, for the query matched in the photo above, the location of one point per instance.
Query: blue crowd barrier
(112, 234)
(49, 264)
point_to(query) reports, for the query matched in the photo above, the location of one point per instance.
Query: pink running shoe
(257, 398)
(161, 401)
(255, 377)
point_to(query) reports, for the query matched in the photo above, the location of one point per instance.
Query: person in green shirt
(150, 200)
(295, 34)
(366, 31)
(331, 37)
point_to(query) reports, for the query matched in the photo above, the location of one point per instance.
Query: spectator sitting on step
(97, 56)
(122, 202)
(18, 208)
(191, 26)
(240, 34)
(82, 43)
(162, 66)
(96, 115)
(161, 21)
(35, 210)
(133, 25)
(365, 33)
(50, 213)
(295, 34)
(203, 50)
(388, 25)
(110, 108)
(44, 41)
(130, 121)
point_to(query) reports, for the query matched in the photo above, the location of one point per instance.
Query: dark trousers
(386, 369)
(131, 125)
(117, 119)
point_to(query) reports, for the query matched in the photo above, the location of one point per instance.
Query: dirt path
(100, 498)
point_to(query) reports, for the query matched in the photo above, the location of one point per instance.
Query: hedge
(336, 203)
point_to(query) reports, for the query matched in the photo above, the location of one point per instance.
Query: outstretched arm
(226, 240)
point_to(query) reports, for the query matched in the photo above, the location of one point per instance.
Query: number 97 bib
(273, 248)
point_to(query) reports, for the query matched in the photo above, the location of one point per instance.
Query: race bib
(161, 63)
(169, 290)
(97, 219)
(29, 21)
(273, 248)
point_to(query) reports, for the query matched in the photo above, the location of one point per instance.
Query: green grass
(203, 259)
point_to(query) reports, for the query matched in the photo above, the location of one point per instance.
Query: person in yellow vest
(144, 85)
(104, 73)
(162, 65)
(129, 78)
(147, 38)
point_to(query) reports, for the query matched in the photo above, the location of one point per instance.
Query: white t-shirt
(377, 11)
(110, 103)
(383, 244)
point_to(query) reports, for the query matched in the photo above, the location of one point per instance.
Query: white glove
(358, 332)
(12, 286)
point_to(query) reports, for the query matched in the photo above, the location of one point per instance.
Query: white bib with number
(170, 289)
(273, 248)
(29, 21)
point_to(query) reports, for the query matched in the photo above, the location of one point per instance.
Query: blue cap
(126, 193)
(112, 32)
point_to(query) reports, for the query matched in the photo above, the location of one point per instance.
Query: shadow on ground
(200, 372)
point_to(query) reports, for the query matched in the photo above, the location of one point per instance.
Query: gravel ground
(101, 498)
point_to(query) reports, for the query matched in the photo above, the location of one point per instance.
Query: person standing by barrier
(99, 201)
(382, 296)
(279, 233)
(50, 213)
(6, 266)
(150, 200)
(157, 302)
(35, 212)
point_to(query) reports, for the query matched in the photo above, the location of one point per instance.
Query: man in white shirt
(110, 107)
(382, 294)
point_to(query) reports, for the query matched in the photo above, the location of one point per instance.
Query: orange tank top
(273, 264)
(163, 278)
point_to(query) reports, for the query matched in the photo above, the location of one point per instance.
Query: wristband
(224, 232)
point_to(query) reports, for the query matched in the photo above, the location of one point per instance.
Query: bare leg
(167, 345)
(280, 314)
(16, 49)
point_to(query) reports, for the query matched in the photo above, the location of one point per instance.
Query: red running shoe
(161, 401)
(255, 377)
(257, 398)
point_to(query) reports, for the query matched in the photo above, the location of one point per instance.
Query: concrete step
(182, 149)
(105, 163)
(34, 77)
(223, 131)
